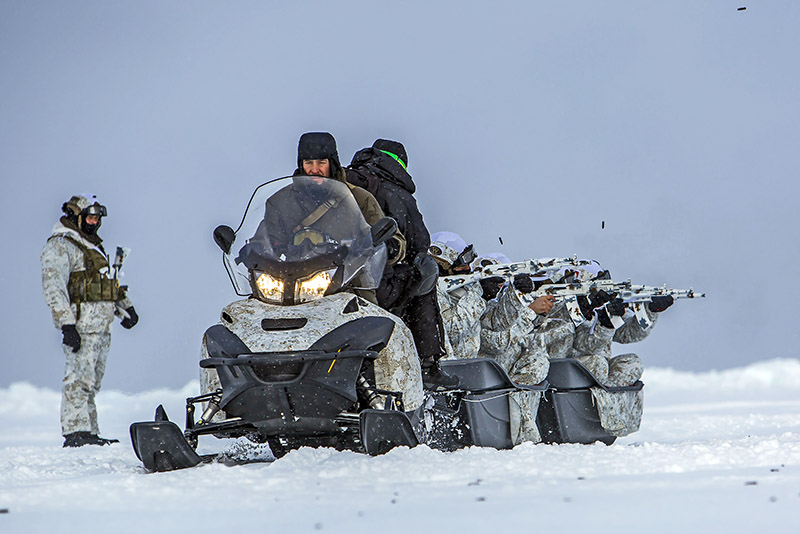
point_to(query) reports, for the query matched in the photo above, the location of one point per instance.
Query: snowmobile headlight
(313, 287)
(270, 287)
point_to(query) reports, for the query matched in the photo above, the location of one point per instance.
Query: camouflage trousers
(622, 370)
(83, 373)
(620, 412)
(522, 409)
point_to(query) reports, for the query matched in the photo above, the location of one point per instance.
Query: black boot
(79, 439)
(105, 441)
(435, 378)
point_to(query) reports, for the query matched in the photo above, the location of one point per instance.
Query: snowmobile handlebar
(286, 357)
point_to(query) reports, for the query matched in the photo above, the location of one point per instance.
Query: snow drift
(717, 451)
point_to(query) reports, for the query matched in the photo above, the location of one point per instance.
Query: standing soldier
(83, 297)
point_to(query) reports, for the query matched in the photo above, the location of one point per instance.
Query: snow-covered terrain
(717, 452)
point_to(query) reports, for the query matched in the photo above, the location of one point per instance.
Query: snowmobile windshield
(298, 227)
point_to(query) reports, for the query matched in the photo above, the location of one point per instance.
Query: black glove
(615, 306)
(659, 304)
(71, 337)
(392, 249)
(491, 286)
(585, 306)
(600, 298)
(130, 321)
(523, 283)
(427, 272)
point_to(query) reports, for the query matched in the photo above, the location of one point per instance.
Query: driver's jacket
(370, 209)
(289, 210)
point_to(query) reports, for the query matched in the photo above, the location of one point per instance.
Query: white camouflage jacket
(461, 311)
(596, 339)
(59, 258)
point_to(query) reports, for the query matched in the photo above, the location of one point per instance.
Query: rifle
(635, 295)
(119, 259)
(549, 270)
(552, 269)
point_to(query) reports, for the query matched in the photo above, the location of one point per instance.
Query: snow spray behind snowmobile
(307, 359)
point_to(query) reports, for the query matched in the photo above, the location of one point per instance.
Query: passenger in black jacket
(408, 287)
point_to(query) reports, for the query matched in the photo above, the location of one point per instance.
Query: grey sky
(674, 123)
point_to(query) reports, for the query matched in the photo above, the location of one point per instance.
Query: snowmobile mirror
(383, 230)
(224, 237)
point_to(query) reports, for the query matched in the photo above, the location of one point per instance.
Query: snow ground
(717, 452)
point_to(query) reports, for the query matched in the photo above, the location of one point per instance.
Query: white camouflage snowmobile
(306, 359)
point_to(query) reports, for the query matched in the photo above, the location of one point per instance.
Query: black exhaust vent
(283, 324)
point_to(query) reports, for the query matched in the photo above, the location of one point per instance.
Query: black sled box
(478, 413)
(568, 412)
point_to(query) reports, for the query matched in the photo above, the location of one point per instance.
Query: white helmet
(449, 249)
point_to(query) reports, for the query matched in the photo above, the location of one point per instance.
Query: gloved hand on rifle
(523, 283)
(659, 304)
(603, 304)
(491, 286)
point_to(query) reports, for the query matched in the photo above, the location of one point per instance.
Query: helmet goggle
(95, 209)
(466, 257)
(314, 236)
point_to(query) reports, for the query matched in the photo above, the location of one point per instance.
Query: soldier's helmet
(450, 251)
(79, 206)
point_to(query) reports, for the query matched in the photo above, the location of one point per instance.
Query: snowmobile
(307, 358)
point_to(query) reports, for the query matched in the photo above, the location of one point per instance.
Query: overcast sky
(660, 138)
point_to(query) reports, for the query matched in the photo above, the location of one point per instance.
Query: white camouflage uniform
(592, 347)
(461, 310)
(620, 412)
(85, 368)
(507, 331)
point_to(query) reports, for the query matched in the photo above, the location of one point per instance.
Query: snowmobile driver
(408, 287)
(83, 299)
(317, 156)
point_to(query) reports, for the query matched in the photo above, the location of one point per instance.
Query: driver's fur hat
(318, 145)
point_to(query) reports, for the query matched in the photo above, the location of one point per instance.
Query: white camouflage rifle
(541, 270)
(637, 296)
(552, 269)
(119, 259)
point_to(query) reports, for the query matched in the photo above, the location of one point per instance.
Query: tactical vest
(92, 285)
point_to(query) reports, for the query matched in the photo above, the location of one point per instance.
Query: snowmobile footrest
(160, 446)
(383, 430)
